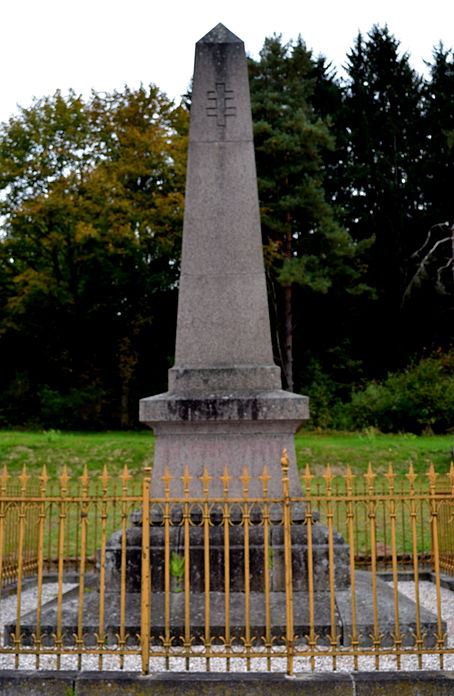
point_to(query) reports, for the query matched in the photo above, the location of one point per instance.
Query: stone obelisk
(225, 405)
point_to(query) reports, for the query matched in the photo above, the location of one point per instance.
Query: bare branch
(422, 267)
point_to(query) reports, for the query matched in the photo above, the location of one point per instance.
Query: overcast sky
(57, 44)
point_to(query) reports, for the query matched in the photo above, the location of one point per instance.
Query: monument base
(257, 627)
(224, 432)
(195, 533)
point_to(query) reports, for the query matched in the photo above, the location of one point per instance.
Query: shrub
(418, 399)
(77, 408)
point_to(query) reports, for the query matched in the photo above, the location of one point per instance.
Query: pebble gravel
(427, 591)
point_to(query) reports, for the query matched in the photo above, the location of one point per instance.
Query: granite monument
(225, 405)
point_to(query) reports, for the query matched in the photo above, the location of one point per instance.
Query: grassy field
(358, 449)
(135, 449)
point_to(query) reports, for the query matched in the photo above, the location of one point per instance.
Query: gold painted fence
(348, 574)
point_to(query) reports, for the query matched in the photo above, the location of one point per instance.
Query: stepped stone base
(407, 613)
(236, 551)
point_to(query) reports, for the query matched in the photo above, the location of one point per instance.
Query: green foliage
(92, 201)
(355, 185)
(316, 448)
(418, 399)
(341, 448)
(76, 450)
(390, 178)
(79, 407)
(305, 244)
(176, 565)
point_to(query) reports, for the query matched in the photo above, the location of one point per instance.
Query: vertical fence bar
(331, 564)
(39, 581)
(411, 476)
(62, 510)
(267, 551)
(376, 638)
(95, 521)
(84, 480)
(440, 637)
(337, 509)
(3, 483)
(125, 477)
(422, 518)
(245, 478)
(78, 530)
(397, 636)
(289, 633)
(23, 478)
(186, 479)
(312, 638)
(101, 635)
(49, 529)
(403, 498)
(145, 604)
(166, 638)
(351, 541)
(206, 478)
(225, 479)
(385, 528)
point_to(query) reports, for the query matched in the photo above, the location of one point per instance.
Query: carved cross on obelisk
(225, 405)
(221, 108)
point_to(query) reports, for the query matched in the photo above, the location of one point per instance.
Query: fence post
(288, 563)
(41, 522)
(3, 483)
(145, 578)
(440, 636)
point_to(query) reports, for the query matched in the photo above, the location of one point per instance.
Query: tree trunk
(288, 309)
(288, 336)
(124, 406)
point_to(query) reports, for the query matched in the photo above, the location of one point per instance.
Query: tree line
(355, 183)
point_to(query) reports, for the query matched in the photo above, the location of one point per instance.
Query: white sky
(104, 44)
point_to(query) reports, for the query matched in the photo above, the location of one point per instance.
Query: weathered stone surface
(33, 683)
(22, 683)
(212, 380)
(213, 684)
(233, 407)
(320, 576)
(385, 605)
(225, 405)
(197, 613)
(404, 683)
(223, 316)
(278, 600)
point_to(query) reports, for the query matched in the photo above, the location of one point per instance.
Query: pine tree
(306, 249)
(430, 284)
(379, 181)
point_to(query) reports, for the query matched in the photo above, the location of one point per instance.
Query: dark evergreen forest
(356, 178)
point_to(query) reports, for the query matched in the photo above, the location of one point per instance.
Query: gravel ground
(258, 664)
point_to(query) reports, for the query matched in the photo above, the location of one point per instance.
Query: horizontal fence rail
(136, 581)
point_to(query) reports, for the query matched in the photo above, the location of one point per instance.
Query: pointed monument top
(221, 35)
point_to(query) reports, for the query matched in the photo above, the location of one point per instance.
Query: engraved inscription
(220, 107)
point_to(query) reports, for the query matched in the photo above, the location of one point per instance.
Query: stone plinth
(224, 430)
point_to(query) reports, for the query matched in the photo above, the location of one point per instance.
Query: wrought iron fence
(195, 579)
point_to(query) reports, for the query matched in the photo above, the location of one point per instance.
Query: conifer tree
(379, 181)
(306, 247)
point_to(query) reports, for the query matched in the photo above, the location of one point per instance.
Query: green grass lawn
(135, 449)
(358, 449)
